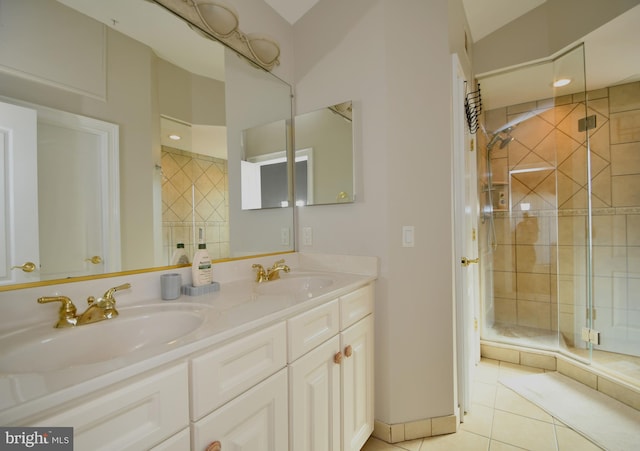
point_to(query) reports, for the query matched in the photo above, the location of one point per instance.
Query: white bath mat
(608, 423)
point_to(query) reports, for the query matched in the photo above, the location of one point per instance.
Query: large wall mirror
(122, 77)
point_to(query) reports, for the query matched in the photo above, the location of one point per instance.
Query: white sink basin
(302, 285)
(43, 348)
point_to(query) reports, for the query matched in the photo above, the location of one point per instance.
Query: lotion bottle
(179, 256)
(201, 269)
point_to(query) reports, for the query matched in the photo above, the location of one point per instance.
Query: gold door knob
(27, 267)
(467, 261)
(214, 446)
(95, 260)
(337, 358)
(348, 351)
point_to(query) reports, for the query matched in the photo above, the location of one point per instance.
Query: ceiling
(484, 16)
(612, 55)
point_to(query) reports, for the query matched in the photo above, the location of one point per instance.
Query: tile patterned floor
(500, 420)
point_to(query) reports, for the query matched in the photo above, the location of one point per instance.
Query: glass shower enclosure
(560, 217)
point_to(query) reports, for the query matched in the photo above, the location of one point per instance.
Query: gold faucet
(98, 310)
(273, 273)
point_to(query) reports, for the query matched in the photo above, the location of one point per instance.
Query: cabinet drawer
(179, 442)
(255, 421)
(222, 374)
(135, 417)
(355, 306)
(310, 329)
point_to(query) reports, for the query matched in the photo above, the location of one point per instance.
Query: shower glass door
(536, 202)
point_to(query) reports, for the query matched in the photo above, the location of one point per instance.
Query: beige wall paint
(394, 62)
(544, 31)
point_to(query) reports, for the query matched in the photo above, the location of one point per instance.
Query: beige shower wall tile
(625, 127)
(505, 310)
(532, 229)
(572, 260)
(504, 284)
(572, 230)
(504, 230)
(534, 314)
(625, 159)
(609, 230)
(624, 97)
(533, 259)
(633, 230)
(534, 287)
(625, 190)
(609, 260)
(504, 258)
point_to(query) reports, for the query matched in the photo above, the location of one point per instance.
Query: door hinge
(473, 234)
(593, 313)
(591, 336)
(587, 123)
(475, 324)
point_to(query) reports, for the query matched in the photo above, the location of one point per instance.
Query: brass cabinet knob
(348, 351)
(467, 261)
(337, 358)
(96, 260)
(214, 446)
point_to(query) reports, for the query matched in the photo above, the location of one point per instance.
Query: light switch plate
(307, 236)
(408, 236)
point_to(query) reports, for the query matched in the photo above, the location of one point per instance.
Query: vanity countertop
(239, 307)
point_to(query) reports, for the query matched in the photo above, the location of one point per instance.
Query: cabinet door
(257, 420)
(357, 384)
(314, 390)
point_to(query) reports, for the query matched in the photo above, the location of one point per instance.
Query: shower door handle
(467, 261)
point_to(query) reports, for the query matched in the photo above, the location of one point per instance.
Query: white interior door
(466, 244)
(78, 195)
(18, 195)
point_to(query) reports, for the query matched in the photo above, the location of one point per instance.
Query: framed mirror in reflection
(138, 70)
(324, 168)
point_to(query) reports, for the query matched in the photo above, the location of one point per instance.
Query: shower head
(506, 141)
(503, 136)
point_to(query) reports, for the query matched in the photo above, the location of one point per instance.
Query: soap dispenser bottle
(201, 269)
(179, 256)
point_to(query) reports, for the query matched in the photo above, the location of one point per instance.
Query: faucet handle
(278, 263)
(261, 273)
(108, 295)
(66, 314)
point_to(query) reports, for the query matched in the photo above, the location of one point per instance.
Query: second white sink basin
(43, 348)
(301, 285)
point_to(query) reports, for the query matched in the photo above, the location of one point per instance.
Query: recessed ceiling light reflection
(175, 137)
(561, 82)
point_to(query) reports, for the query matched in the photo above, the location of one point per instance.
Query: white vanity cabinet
(239, 393)
(331, 386)
(136, 416)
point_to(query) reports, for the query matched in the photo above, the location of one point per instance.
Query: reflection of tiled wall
(189, 177)
(540, 258)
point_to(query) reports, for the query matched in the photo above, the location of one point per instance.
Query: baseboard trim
(428, 427)
(584, 373)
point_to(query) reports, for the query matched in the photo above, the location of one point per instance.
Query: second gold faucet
(273, 273)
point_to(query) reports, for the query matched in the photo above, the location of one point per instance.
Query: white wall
(392, 59)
